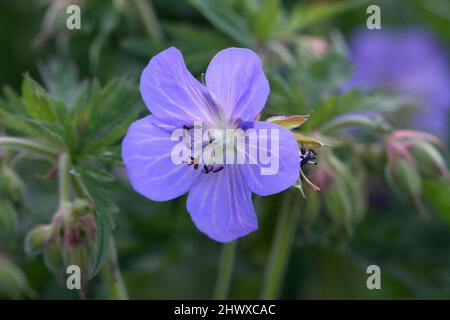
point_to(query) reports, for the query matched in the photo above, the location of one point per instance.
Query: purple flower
(408, 62)
(234, 93)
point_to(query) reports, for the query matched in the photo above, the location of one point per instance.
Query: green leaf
(102, 242)
(222, 16)
(438, 193)
(101, 175)
(304, 16)
(267, 20)
(142, 47)
(371, 122)
(352, 100)
(36, 101)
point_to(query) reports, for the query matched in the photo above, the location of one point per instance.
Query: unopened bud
(8, 217)
(11, 184)
(82, 206)
(429, 160)
(403, 176)
(37, 239)
(13, 283)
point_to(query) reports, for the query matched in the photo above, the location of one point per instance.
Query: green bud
(82, 207)
(338, 190)
(13, 283)
(53, 257)
(8, 217)
(11, 184)
(404, 177)
(429, 160)
(37, 239)
(71, 243)
(338, 202)
(80, 255)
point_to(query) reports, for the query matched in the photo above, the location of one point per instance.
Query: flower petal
(170, 92)
(283, 163)
(146, 152)
(236, 81)
(220, 205)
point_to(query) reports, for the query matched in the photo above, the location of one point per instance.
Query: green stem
(64, 180)
(223, 283)
(22, 143)
(111, 272)
(149, 19)
(112, 276)
(281, 247)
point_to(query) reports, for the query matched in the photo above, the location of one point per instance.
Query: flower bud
(11, 185)
(430, 162)
(72, 243)
(8, 217)
(37, 239)
(404, 177)
(339, 189)
(68, 240)
(82, 206)
(79, 246)
(13, 283)
(410, 154)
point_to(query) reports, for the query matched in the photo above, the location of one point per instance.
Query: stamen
(307, 156)
(312, 185)
(207, 169)
(191, 161)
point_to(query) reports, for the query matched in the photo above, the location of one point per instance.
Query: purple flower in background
(409, 62)
(234, 93)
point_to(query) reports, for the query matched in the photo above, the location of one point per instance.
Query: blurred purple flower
(408, 62)
(235, 92)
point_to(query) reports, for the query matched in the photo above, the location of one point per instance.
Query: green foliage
(222, 16)
(88, 129)
(356, 219)
(304, 16)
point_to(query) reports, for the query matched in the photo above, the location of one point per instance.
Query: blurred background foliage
(371, 209)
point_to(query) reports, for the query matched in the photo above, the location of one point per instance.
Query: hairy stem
(64, 180)
(112, 276)
(111, 271)
(224, 275)
(281, 247)
(27, 144)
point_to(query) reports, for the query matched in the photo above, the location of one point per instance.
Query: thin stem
(112, 276)
(149, 19)
(281, 247)
(80, 188)
(312, 185)
(224, 275)
(22, 143)
(111, 272)
(64, 180)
